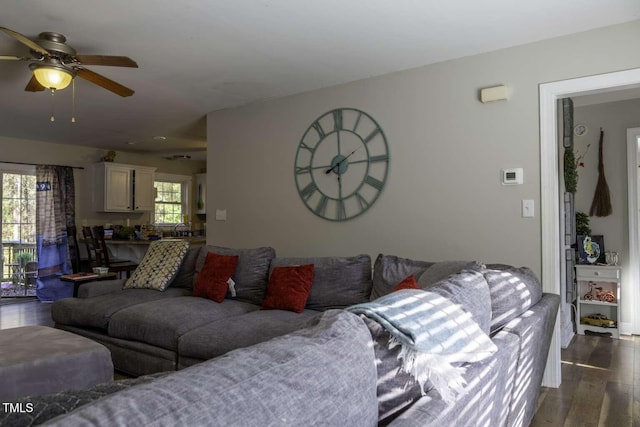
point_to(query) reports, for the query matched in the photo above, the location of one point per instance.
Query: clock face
(341, 164)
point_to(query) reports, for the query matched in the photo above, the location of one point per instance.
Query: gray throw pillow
(469, 289)
(389, 270)
(443, 269)
(338, 282)
(184, 278)
(252, 271)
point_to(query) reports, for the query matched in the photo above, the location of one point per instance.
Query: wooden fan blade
(13, 58)
(111, 61)
(104, 82)
(34, 86)
(25, 41)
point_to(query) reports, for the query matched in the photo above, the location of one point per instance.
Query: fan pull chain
(73, 101)
(53, 93)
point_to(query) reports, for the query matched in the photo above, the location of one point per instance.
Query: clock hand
(331, 169)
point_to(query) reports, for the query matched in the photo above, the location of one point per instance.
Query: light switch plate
(528, 209)
(221, 214)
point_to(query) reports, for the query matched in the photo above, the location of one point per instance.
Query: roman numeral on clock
(374, 182)
(337, 119)
(308, 191)
(318, 128)
(303, 169)
(322, 205)
(364, 203)
(341, 212)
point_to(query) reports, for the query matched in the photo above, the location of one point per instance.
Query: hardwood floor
(28, 313)
(600, 376)
(600, 385)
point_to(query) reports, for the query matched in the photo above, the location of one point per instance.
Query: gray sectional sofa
(240, 365)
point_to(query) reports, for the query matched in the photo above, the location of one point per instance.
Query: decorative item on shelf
(582, 224)
(597, 293)
(109, 157)
(599, 320)
(611, 258)
(126, 233)
(591, 249)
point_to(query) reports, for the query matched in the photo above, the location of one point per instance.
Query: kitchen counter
(134, 250)
(147, 242)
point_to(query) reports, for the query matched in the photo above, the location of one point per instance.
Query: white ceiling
(197, 56)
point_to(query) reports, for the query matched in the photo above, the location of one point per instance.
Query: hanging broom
(601, 205)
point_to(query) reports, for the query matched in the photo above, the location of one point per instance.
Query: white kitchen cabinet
(124, 188)
(590, 278)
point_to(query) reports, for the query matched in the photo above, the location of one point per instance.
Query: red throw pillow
(408, 283)
(289, 288)
(212, 280)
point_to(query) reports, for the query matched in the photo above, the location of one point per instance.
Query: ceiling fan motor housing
(55, 44)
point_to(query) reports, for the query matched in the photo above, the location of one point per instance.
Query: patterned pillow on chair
(159, 265)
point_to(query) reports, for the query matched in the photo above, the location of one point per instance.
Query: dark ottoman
(39, 360)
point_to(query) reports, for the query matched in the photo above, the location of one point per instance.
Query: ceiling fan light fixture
(52, 76)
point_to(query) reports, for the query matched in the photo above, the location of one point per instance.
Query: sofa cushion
(289, 288)
(184, 278)
(97, 311)
(441, 270)
(338, 282)
(163, 322)
(408, 283)
(513, 290)
(323, 375)
(251, 274)
(212, 282)
(469, 289)
(217, 338)
(389, 270)
(159, 266)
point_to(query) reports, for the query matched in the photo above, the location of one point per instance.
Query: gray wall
(443, 198)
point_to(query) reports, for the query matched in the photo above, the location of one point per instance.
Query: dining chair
(115, 265)
(78, 264)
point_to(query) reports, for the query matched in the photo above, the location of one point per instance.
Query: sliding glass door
(18, 230)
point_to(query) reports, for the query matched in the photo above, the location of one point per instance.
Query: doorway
(549, 185)
(18, 231)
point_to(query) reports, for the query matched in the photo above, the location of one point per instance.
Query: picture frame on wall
(591, 249)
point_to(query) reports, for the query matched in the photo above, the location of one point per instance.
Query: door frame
(549, 94)
(633, 270)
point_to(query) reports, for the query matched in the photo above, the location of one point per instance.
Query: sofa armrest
(94, 289)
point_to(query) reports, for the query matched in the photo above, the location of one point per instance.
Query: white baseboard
(625, 328)
(566, 325)
(567, 339)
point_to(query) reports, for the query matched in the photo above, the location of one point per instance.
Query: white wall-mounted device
(495, 93)
(513, 176)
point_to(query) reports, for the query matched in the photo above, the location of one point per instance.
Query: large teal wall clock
(341, 165)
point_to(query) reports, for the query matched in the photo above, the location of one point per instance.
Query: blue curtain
(55, 211)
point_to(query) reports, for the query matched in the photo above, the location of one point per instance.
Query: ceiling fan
(55, 64)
